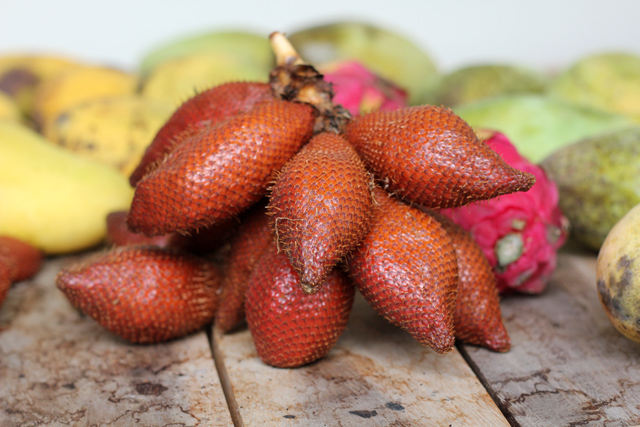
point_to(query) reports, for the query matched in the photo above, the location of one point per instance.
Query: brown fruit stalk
(477, 318)
(245, 249)
(431, 156)
(199, 112)
(218, 173)
(144, 294)
(291, 328)
(320, 207)
(406, 269)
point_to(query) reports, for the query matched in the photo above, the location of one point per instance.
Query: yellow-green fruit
(112, 130)
(244, 46)
(608, 81)
(176, 80)
(598, 181)
(74, 87)
(9, 108)
(52, 198)
(385, 52)
(618, 275)
(22, 74)
(475, 82)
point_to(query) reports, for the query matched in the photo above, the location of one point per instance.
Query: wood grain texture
(58, 367)
(568, 366)
(377, 375)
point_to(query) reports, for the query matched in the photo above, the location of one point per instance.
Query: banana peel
(52, 198)
(113, 130)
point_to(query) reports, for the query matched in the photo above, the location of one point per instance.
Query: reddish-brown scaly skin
(431, 156)
(203, 110)
(477, 318)
(23, 259)
(246, 246)
(217, 174)
(144, 294)
(5, 280)
(320, 206)
(406, 269)
(291, 328)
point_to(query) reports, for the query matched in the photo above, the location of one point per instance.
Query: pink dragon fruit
(359, 90)
(519, 233)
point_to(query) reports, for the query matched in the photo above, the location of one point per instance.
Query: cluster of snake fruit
(303, 205)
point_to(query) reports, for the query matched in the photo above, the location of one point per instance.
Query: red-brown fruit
(5, 279)
(406, 269)
(23, 259)
(215, 175)
(118, 234)
(431, 156)
(246, 247)
(477, 318)
(144, 294)
(320, 207)
(206, 108)
(291, 328)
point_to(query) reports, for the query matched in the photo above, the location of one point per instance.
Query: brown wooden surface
(59, 368)
(568, 365)
(377, 375)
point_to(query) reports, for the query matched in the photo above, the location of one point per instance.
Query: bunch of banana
(51, 198)
(73, 87)
(9, 109)
(21, 75)
(111, 130)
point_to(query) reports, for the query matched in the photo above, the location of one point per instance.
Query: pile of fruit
(230, 186)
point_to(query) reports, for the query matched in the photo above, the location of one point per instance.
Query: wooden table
(568, 367)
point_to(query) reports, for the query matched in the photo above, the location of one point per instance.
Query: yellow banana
(21, 74)
(112, 130)
(9, 108)
(51, 198)
(76, 86)
(178, 79)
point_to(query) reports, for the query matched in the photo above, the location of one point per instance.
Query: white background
(547, 34)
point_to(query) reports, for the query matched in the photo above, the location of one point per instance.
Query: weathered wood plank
(375, 376)
(568, 366)
(58, 367)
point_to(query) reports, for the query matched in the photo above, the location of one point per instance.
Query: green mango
(386, 53)
(599, 182)
(539, 125)
(475, 82)
(245, 47)
(609, 81)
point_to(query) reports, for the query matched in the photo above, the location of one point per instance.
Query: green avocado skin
(598, 181)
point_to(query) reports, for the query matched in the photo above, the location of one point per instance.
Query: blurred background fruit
(538, 125)
(609, 81)
(111, 130)
(73, 87)
(52, 198)
(21, 75)
(475, 82)
(9, 109)
(618, 274)
(386, 53)
(599, 182)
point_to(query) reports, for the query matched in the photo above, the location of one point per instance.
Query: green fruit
(473, 83)
(51, 198)
(618, 275)
(384, 52)
(176, 80)
(246, 47)
(599, 182)
(538, 125)
(608, 81)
